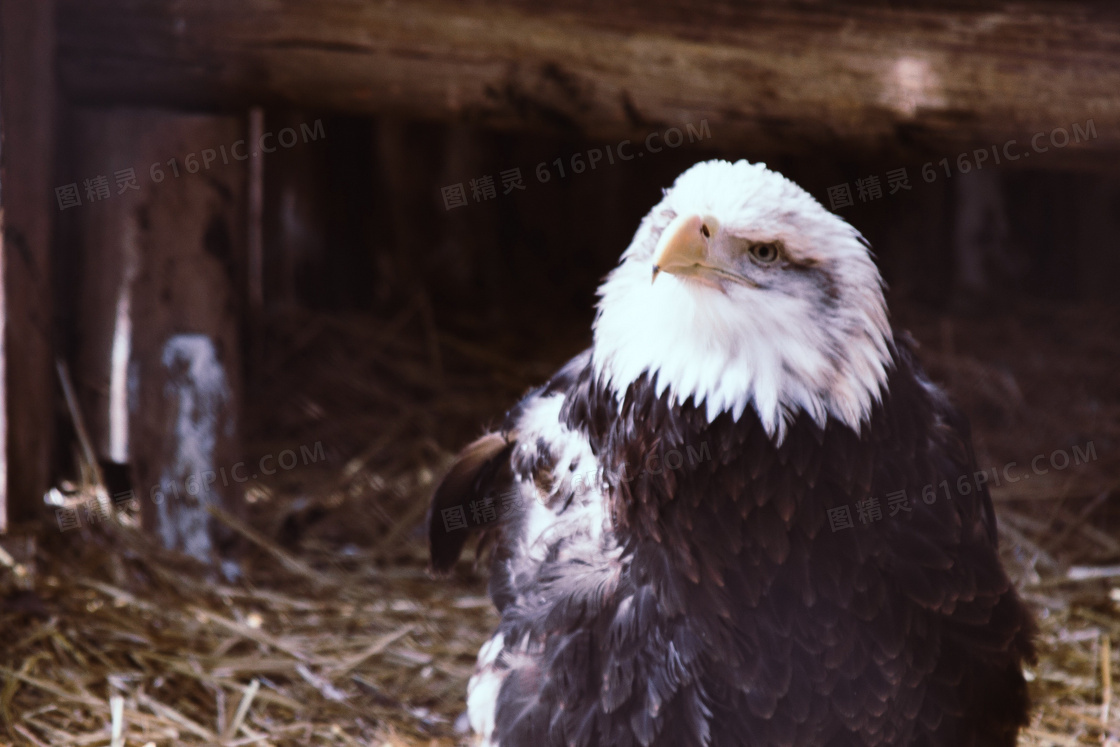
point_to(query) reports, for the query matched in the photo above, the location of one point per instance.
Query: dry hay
(341, 653)
(334, 635)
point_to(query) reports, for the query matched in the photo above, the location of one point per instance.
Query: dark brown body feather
(724, 610)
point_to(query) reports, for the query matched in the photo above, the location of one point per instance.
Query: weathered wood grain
(768, 77)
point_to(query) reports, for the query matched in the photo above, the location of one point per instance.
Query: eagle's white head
(739, 289)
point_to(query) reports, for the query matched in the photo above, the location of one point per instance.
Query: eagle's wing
(944, 559)
(580, 635)
(483, 471)
(470, 479)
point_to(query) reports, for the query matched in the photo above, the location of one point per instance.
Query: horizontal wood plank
(770, 77)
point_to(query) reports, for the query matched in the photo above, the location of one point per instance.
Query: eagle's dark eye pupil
(765, 252)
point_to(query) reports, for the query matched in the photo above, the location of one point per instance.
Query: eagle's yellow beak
(684, 245)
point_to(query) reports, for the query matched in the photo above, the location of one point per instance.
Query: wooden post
(255, 230)
(1098, 237)
(27, 381)
(162, 288)
(295, 214)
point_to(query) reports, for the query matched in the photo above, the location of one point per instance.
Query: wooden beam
(767, 77)
(27, 91)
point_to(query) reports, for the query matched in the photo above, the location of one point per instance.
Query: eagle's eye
(765, 253)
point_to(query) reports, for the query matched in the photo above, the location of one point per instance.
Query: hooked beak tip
(656, 272)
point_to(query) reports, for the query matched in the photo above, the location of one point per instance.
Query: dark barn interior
(268, 265)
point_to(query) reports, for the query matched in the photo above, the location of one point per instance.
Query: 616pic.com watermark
(870, 510)
(97, 188)
(95, 511)
(482, 188)
(870, 188)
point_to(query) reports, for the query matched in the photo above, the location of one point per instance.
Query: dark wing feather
(469, 479)
(481, 467)
(944, 558)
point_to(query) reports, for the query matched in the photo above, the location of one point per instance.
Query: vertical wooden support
(1098, 236)
(911, 239)
(980, 230)
(26, 210)
(457, 254)
(105, 268)
(4, 409)
(162, 278)
(408, 155)
(294, 221)
(255, 227)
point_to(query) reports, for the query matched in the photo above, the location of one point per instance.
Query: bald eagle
(744, 516)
